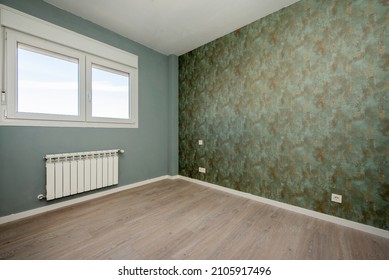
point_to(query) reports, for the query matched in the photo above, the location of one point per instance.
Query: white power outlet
(201, 142)
(336, 198)
(201, 169)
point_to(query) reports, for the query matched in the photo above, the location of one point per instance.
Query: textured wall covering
(295, 107)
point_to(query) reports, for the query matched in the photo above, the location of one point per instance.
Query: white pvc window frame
(113, 67)
(18, 27)
(15, 38)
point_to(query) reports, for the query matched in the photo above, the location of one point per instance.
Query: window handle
(3, 98)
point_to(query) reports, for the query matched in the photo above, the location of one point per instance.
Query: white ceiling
(172, 26)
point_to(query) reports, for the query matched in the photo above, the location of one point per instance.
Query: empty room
(194, 130)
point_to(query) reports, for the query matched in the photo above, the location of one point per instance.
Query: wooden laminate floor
(176, 219)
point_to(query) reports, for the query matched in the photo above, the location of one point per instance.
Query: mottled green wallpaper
(294, 107)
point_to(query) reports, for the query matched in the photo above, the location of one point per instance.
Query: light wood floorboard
(176, 219)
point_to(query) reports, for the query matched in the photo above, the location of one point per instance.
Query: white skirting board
(43, 209)
(307, 212)
(321, 216)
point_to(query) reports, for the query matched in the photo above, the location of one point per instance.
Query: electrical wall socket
(336, 198)
(201, 142)
(201, 169)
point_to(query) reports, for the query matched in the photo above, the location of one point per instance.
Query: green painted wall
(294, 107)
(149, 149)
(173, 115)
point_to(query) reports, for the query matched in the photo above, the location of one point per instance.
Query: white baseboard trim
(43, 209)
(307, 212)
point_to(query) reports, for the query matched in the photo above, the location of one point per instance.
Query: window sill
(12, 122)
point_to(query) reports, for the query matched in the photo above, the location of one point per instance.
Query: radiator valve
(41, 196)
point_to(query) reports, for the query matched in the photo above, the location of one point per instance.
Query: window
(110, 96)
(47, 83)
(56, 82)
(109, 85)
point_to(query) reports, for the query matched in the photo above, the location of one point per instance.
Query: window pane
(47, 83)
(110, 93)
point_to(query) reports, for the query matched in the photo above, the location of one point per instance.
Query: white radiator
(72, 173)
